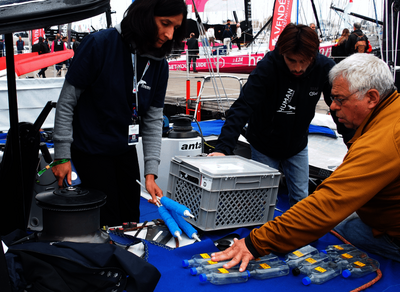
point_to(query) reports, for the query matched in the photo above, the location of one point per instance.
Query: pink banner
(36, 34)
(227, 64)
(282, 14)
(326, 50)
(199, 4)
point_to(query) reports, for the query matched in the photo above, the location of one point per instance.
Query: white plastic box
(224, 191)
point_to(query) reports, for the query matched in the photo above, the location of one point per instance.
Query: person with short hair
(238, 35)
(355, 36)
(57, 46)
(227, 36)
(367, 182)
(46, 42)
(75, 44)
(228, 23)
(314, 27)
(193, 51)
(68, 46)
(113, 94)
(20, 45)
(278, 103)
(41, 48)
(211, 36)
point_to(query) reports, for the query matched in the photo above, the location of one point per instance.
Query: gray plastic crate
(224, 191)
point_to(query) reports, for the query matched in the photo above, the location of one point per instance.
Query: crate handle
(247, 184)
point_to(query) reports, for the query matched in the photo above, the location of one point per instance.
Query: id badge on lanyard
(133, 128)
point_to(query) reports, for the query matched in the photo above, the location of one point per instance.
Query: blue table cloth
(176, 278)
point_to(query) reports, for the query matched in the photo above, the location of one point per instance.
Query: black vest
(58, 45)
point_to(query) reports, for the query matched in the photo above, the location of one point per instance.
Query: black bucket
(72, 214)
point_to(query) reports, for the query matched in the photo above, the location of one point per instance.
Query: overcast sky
(119, 6)
(262, 9)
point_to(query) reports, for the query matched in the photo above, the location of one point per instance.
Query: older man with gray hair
(366, 185)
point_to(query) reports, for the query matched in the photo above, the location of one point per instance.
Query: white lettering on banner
(253, 61)
(36, 33)
(281, 17)
(282, 14)
(223, 62)
(327, 51)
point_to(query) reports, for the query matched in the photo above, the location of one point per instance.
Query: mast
(316, 17)
(358, 15)
(248, 20)
(391, 43)
(247, 13)
(265, 25)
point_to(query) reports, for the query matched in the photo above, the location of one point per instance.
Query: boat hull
(227, 64)
(237, 63)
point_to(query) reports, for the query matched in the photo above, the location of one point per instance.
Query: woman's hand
(153, 189)
(62, 170)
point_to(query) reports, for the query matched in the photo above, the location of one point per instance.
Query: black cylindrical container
(72, 214)
(182, 127)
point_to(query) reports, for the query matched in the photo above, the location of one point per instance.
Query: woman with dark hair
(138, 26)
(113, 93)
(339, 49)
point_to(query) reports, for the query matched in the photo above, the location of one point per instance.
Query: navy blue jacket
(277, 106)
(227, 33)
(103, 112)
(20, 45)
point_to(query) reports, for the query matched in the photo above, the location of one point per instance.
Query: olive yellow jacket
(367, 182)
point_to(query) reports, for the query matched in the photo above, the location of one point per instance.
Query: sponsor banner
(199, 4)
(282, 13)
(326, 50)
(241, 63)
(36, 33)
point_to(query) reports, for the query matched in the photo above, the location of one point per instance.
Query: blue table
(176, 278)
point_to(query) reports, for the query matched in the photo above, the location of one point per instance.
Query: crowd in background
(43, 46)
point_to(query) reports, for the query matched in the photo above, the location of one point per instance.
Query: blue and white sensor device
(75, 180)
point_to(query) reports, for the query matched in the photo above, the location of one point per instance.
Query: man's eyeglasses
(339, 101)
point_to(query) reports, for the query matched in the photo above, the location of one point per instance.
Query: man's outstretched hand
(238, 252)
